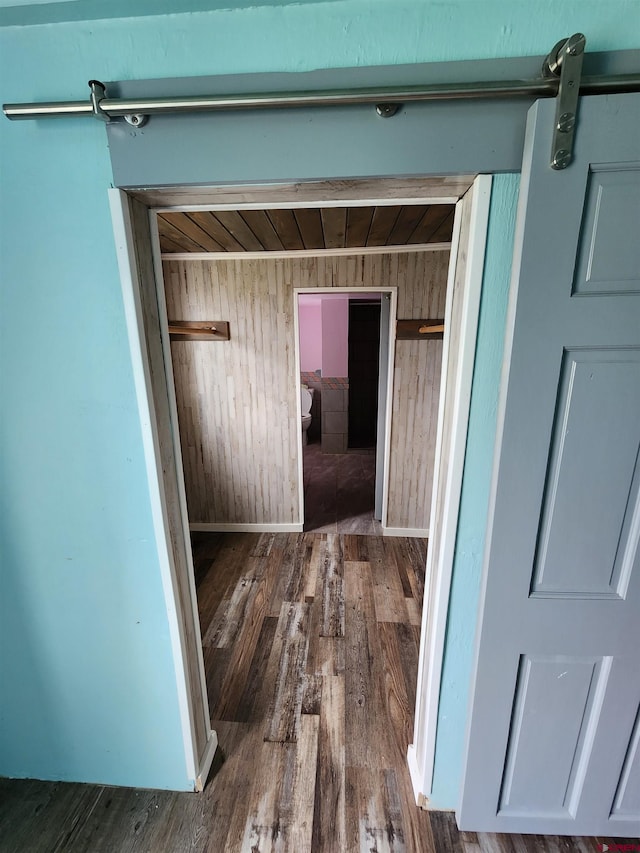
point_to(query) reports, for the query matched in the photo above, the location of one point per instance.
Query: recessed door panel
(587, 537)
(555, 700)
(608, 254)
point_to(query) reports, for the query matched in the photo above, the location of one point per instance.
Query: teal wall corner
(478, 465)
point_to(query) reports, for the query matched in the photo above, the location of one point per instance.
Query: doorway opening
(364, 370)
(346, 365)
(141, 262)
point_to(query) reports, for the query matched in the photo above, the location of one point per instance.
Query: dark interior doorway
(364, 357)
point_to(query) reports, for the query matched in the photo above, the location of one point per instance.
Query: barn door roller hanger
(560, 77)
(566, 60)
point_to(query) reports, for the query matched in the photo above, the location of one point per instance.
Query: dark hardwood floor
(311, 645)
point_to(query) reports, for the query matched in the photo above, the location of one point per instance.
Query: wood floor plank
(332, 619)
(398, 707)
(288, 661)
(26, 805)
(263, 830)
(313, 650)
(301, 566)
(216, 666)
(244, 768)
(403, 563)
(326, 655)
(330, 656)
(468, 837)
(229, 792)
(355, 548)
(281, 801)
(217, 588)
(253, 704)
(389, 594)
(112, 824)
(366, 736)
(445, 831)
(413, 555)
(379, 823)
(409, 647)
(311, 694)
(284, 551)
(329, 828)
(237, 607)
(414, 611)
(313, 566)
(256, 606)
(263, 545)
(392, 801)
(302, 786)
(205, 548)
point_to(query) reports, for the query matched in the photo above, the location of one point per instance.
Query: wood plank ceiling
(304, 228)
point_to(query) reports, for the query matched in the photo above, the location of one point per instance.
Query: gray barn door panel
(554, 732)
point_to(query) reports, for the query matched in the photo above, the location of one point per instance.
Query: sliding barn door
(554, 737)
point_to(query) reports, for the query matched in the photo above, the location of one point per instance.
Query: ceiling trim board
(308, 253)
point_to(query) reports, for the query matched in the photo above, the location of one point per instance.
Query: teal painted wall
(88, 688)
(465, 586)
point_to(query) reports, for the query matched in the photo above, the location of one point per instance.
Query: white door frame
(133, 239)
(317, 194)
(467, 261)
(393, 292)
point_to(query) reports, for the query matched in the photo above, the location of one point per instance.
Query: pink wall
(310, 315)
(324, 332)
(335, 336)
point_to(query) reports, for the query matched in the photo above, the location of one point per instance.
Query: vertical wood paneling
(237, 399)
(416, 392)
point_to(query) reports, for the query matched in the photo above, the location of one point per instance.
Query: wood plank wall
(237, 399)
(416, 392)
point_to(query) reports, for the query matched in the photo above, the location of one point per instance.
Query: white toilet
(306, 398)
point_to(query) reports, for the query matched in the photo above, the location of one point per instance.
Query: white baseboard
(415, 532)
(416, 778)
(206, 762)
(228, 527)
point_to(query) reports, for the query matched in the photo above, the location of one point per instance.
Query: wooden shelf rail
(419, 330)
(198, 330)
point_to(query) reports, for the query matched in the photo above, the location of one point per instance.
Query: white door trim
(428, 691)
(125, 250)
(342, 192)
(421, 753)
(270, 254)
(205, 760)
(393, 292)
